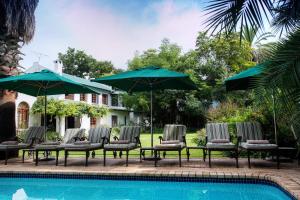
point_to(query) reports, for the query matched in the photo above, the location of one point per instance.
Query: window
(69, 96)
(93, 122)
(114, 100)
(95, 98)
(105, 99)
(23, 115)
(114, 120)
(82, 97)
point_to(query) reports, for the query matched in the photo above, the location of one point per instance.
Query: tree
(282, 69)
(78, 63)
(17, 25)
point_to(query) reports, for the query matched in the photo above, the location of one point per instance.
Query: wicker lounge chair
(173, 139)
(251, 137)
(129, 140)
(71, 135)
(96, 139)
(218, 139)
(33, 135)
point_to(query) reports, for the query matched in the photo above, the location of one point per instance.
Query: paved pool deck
(288, 176)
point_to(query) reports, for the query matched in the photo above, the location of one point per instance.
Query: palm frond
(17, 18)
(287, 16)
(228, 15)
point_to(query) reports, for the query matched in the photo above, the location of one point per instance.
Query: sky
(111, 30)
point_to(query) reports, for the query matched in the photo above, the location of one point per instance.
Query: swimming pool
(21, 188)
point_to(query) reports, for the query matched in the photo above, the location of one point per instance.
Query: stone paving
(288, 176)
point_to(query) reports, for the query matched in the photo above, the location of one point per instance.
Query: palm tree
(283, 67)
(17, 25)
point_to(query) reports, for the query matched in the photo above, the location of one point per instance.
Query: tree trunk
(7, 117)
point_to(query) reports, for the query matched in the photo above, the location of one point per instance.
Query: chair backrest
(174, 132)
(130, 133)
(249, 131)
(96, 134)
(71, 133)
(37, 132)
(217, 131)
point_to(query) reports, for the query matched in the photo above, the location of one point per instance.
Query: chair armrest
(239, 139)
(116, 138)
(160, 139)
(138, 141)
(184, 140)
(105, 140)
(76, 139)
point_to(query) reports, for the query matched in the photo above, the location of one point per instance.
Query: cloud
(109, 31)
(108, 35)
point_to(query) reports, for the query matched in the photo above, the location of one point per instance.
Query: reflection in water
(20, 195)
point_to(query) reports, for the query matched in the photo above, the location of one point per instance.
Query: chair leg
(127, 152)
(36, 157)
(179, 155)
(87, 153)
(188, 154)
(6, 157)
(155, 158)
(104, 157)
(93, 154)
(204, 154)
(237, 158)
(66, 157)
(277, 158)
(57, 154)
(23, 156)
(248, 154)
(140, 155)
(209, 158)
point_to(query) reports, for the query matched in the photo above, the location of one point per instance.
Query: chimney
(58, 67)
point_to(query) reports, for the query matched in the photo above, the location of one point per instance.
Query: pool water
(87, 189)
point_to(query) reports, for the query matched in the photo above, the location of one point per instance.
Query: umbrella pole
(151, 118)
(45, 117)
(274, 117)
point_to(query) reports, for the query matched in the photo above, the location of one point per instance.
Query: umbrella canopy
(245, 79)
(147, 79)
(47, 82)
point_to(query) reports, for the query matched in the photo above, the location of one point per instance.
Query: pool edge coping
(276, 180)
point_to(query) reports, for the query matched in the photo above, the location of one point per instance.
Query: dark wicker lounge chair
(218, 139)
(96, 139)
(33, 135)
(71, 135)
(251, 137)
(173, 139)
(129, 140)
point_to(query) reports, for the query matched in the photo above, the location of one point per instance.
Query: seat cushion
(170, 142)
(120, 142)
(258, 142)
(179, 145)
(228, 145)
(248, 146)
(83, 146)
(120, 146)
(49, 147)
(14, 146)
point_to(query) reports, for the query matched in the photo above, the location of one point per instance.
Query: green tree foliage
(62, 108)
(213, 60)
(78, 63)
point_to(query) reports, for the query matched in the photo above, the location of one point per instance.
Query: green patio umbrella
(246, 80)
(46, 82)
(148, 79)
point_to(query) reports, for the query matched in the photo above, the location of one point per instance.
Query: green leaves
(228, 15)
(62, 108)
(78, 63)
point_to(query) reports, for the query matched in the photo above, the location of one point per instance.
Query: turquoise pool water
(87, 189)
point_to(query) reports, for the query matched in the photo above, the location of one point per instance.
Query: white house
(117, 115)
